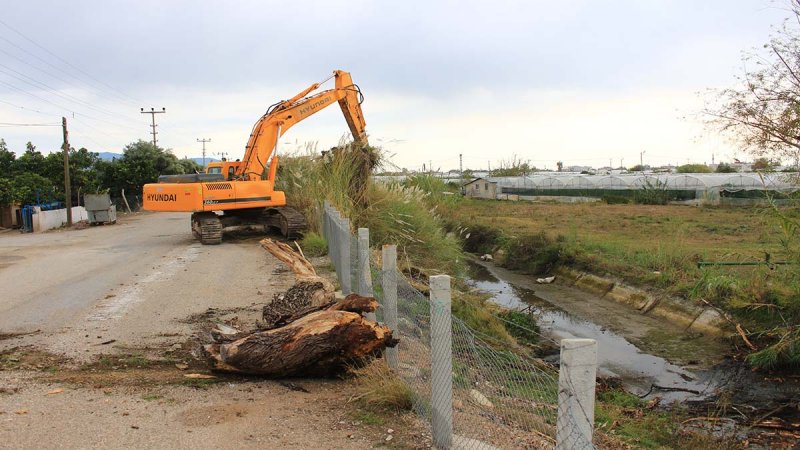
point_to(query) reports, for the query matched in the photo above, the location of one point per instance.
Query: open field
(635, 241)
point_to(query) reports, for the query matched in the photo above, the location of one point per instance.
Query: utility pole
(460, 166)
(153, 113)
(222, 155)
(621, 167)
(430, 167)
(67, 189)
(204, 140)
(641, 158)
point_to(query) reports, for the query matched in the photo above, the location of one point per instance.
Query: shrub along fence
(473, 391)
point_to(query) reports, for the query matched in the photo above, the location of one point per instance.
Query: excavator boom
(282, 116)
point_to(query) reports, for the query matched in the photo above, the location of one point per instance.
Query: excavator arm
(282, 116)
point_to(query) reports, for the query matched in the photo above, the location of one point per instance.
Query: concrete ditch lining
(694, 318)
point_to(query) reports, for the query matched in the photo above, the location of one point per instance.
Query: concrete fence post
(326, 229)
(389, 286)
(441, 362)
(336, 237)
(346, 262)
(576, 384)
(364, 274)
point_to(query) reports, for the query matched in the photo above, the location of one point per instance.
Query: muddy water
(640, 351)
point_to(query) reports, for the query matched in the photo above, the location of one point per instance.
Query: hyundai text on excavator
(242, 193)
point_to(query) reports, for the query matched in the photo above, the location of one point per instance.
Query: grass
(395, 214)
(381, 390)
(313, 244)
(521, 326)
(657, 246)
(624, 416)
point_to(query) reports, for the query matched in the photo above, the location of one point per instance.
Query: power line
(9, 124)
(63, 107)
(66, 62)
(67, 97)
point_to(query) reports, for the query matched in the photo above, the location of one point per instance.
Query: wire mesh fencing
(475, 391)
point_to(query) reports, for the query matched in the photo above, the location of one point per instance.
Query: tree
(29, 188)
(694, 168)
(726, 168)
(189, 166)
(637, 168)
(7, 158)
(31, 161)
(764, 165)
(6, 192)
(142, 163)
(762, 112)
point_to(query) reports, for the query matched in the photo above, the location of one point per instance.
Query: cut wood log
(304, 332)
(310, 288)
(303, 270)
(300, 296)
(323, 343)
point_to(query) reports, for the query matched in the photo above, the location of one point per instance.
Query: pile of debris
(305, 331)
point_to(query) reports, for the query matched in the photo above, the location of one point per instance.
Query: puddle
(563, 312)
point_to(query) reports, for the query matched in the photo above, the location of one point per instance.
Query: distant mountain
(108, 156)
(200, 160)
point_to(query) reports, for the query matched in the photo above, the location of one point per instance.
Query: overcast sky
(584, 82)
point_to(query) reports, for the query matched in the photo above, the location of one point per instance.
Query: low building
(481, 188)
(10, 216)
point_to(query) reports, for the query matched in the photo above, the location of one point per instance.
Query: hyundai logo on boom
(314, 105)
(161, 197)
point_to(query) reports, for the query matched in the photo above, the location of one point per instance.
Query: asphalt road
(132, 282)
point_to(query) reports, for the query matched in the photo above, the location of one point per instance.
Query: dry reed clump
(394, 214)
(381, 389)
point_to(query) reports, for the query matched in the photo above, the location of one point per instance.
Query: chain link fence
(475, 392)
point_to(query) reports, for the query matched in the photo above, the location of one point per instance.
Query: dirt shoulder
(149, 408)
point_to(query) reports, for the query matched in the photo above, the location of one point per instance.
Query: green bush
(612, 199)
(537, 253)
(521, 326)
(480, 239)
(314, 245)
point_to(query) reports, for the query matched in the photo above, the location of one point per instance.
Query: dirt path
(104, 320)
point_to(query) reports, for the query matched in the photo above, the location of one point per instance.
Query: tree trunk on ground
(320, 343)
(305, 332)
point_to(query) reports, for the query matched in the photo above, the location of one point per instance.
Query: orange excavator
(242, 193)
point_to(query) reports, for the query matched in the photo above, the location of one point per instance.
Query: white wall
(48, 220)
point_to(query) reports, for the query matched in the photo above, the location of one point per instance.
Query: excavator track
(290, 222)
(207, 227)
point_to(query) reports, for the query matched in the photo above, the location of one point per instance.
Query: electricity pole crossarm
(204, 140)
(153, 113)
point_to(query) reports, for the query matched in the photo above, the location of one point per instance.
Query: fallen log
(305, 332)
(322, 343)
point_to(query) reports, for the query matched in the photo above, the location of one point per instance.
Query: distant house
(481, 188)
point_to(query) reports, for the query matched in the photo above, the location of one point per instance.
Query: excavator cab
(228, 169)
